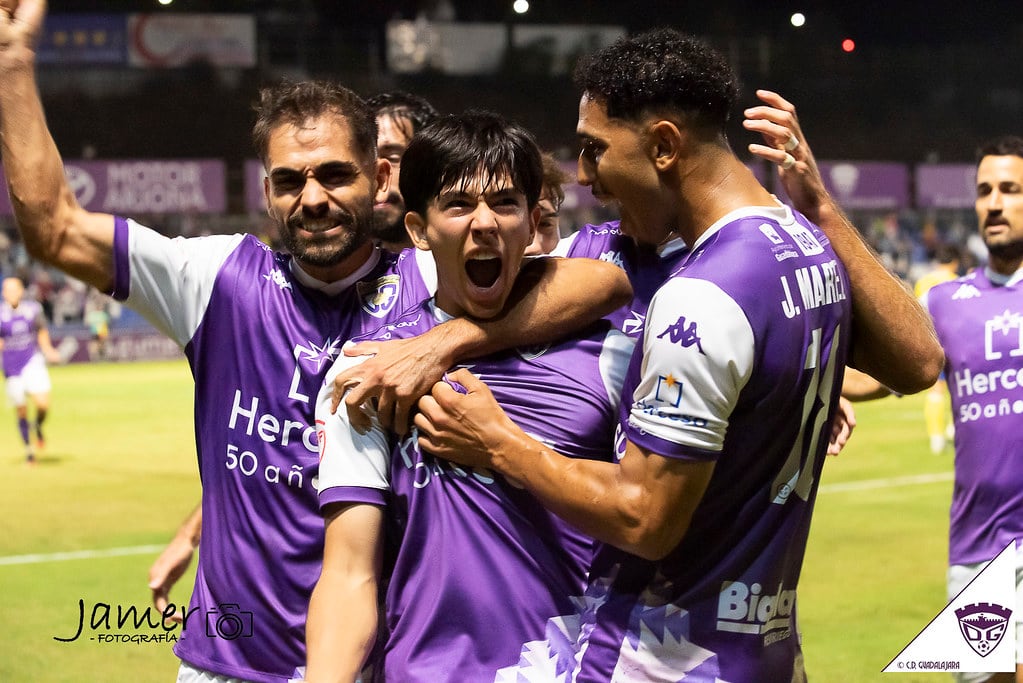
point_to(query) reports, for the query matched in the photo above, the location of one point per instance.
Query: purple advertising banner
(144, 343)
(863, 184)
(255, 197)
(131, 188)
(946, 186)
(83, 39)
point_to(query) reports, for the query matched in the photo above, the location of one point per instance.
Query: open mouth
(483, 271)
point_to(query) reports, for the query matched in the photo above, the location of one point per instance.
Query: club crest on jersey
(378, 296)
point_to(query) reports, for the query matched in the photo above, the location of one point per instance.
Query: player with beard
(400, 115)
(259, 329)
(979, 320)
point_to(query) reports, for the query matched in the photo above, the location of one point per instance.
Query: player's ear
(666, 143)
(415, 226)
(383, 170)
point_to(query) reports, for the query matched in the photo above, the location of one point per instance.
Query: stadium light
(165, 2)
(797, 19)
(848, 45)
(520, 6)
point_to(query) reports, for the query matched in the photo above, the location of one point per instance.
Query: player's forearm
(53, 227)
(590, 495)
(341, 627)
(893, 338)
(32, 164)
(191, 529)
(552, 297)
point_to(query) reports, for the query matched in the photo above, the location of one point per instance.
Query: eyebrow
(328, 168)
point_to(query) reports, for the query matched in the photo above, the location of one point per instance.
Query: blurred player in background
(26, 345)
(548, 232)
(979, 320)
(937, 413)
(400, 115)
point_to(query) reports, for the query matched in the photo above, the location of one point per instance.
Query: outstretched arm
(892, 336)
(54, 228)
(552, 297)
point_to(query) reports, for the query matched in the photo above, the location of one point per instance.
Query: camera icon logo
(227, 621)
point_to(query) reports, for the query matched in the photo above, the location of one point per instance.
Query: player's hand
(21, 23)
(400, 371)
(842, 427)
(465, 424)
(169, 567)
(787, 148)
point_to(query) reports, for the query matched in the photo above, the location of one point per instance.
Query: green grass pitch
(119, 472)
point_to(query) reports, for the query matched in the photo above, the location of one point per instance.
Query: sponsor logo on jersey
(613, 257)
(378, 296)
(669, 390)
(747, 609)
(966, 291)
(683, 334)
(277, 277)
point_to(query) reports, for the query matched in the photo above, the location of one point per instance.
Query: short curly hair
(660, 70)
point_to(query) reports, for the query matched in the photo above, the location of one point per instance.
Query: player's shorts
(959, 575)
(34, 379)
(189, 674)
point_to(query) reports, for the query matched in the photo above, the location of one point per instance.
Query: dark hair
(1009, 145)
(295, 103)
(553, 178)
(451, 150)
(403, 106)
(947, 253)
(660, 70)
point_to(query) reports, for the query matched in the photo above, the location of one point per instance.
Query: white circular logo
(81, 183)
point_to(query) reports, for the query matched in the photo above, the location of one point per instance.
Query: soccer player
(479, 566)
(936, 407)
(727, 405)
(400, 115)
(259, 329)
(979, 319)
(25, 340)
(548, 230)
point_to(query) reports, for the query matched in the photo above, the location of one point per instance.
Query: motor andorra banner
(976, 632)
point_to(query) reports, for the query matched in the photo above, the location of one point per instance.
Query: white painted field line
(81, 554)
(864, 485)
(887, 483)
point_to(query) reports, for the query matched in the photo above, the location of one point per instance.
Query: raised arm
(893, 339)
(552, 297)
(54, 228)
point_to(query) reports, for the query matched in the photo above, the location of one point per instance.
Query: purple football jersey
(740, 364)
(646, 267)
(19, 329)
(480, 566)
(259, 336)
(980, 326)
